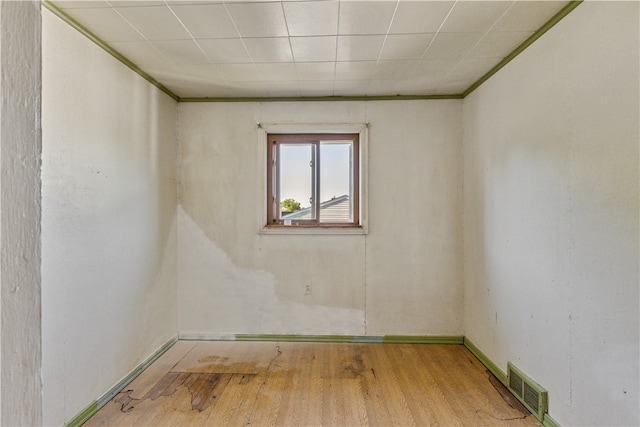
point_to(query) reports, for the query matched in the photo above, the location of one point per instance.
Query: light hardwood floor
(299, 384)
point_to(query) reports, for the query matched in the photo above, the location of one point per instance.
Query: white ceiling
(199, 48)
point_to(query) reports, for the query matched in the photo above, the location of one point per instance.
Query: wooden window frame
(274, 140)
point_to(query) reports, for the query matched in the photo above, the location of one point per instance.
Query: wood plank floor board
(312, 384)
(147, 379)
(387, 380)
(424, 399)
(267, 401)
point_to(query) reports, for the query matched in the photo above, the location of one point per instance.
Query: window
(313, 180)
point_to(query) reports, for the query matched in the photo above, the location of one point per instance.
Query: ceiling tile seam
(384, 41)
(435, 35)
(335, 63)
(149, 42)
(478, 42)
(295, 63)
(246, 49)
(125, 20)
(56, 10)
(195, 41)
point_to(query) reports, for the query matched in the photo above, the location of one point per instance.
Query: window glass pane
(336, 198)
(296, 181)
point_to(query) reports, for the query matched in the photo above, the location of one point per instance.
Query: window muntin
(321, 171)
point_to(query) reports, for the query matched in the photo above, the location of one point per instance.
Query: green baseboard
(495, 370)
(84, 415)
(94, 406)
(549, 422)
(397, 339)
(427, 339)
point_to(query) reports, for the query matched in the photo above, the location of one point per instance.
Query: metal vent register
(527, 391)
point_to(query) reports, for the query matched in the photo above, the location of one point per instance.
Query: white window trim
(359, 128)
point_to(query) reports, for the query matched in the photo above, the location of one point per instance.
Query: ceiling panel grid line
(313, 48)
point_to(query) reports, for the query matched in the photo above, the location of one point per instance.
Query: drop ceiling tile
(498, 44)
(106, 24)
(154, 22)
(277, 72)
(452, 45)
(136, 3)
(470, 70)
(381, 88)
(285, 88)
(239, 72)
(315, 70)
(250, 1)
(355, 70)
(249, 90)
(406, 46)
(394, 70)
(423, 85)
(77, 4)
(311, 18)
(453, 88)
(528, 15)
(474, 16)
(309, 49)
(434, 69)
(318, 88)
(204, 73)
(269, 49)
(365, 17)
(258, 19)
(187, 2)
(451, 63)
(186, 89)
(350, 87)
(160, 72)
(141, 53)
(206, 21)
(184, 52)
(225, 51)
(359, 48)
(169, 75)
(420, 16)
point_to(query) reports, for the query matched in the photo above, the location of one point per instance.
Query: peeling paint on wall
(403, 277)
(217, 296)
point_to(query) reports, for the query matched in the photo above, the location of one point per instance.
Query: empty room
(321, 212)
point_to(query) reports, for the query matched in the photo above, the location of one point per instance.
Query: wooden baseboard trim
(94, 406)
(398, 339)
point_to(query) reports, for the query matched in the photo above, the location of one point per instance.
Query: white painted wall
(20, 151)
(108, 226)
(551, 223)
(404, 277)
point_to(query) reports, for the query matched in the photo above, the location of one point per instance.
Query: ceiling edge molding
(528, 42)
(325, 98)
(55, 9)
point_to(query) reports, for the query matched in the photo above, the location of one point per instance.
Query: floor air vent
(527, 391)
